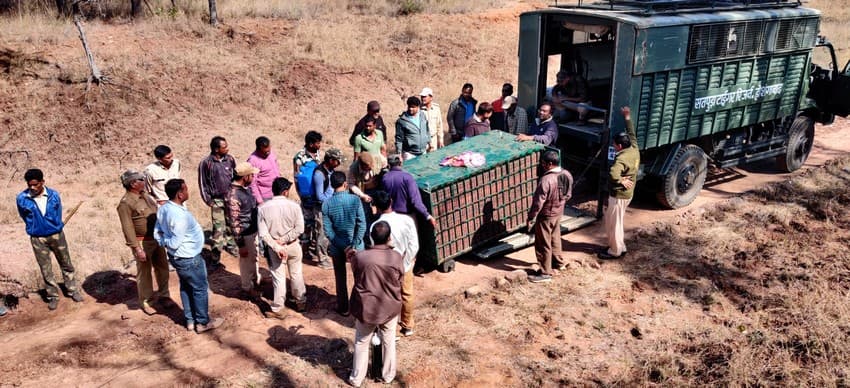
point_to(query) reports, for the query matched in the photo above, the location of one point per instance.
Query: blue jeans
(193, 288)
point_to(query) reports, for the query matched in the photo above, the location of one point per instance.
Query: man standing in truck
(621, 178)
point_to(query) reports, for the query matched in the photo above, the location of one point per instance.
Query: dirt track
(107, 340)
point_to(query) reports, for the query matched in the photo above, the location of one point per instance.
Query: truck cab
(709, 83)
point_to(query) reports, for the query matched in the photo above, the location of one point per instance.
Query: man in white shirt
(405, 241)
(159, 172)
(281, 222)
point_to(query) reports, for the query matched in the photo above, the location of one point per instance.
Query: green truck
(709, 83)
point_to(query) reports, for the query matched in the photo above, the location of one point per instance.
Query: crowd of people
(365, 215)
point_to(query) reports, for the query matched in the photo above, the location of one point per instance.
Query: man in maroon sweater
(554, 189)
(376, 302)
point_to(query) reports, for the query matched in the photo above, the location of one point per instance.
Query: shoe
(77, 296)
(604, 255)
(232, 250)
(406, 332)
(3, 311)
(542, 278)
(559, 266)
(325, 264)
(300, 307)
(190, 326)
(275, 315)
(52, 304)
(343, 313)
(211, 325)
(147, 309)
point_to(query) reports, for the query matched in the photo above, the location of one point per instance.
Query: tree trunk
(135, 8)
(213, 13)
(96, 75)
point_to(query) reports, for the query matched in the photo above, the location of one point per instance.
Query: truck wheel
(446, 266)
(683, 182)
(801, 136)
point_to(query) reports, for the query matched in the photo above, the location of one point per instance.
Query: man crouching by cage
(41, 209)
(554, 189)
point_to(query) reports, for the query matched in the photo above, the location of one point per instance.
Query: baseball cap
(245, 168)
(131, 175)
(508, 101)
(334, 153)
(426, 92)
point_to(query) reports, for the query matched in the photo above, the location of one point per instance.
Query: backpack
(304, 178)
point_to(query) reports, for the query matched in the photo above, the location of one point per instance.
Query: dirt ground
(747, 286)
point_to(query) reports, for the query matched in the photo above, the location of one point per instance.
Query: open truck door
(830, 87)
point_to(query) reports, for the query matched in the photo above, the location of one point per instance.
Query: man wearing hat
(373, 110)
(500, 107)
(435, 118)
(137, 213)
(241, 215)
(516, 117)
(322, 191)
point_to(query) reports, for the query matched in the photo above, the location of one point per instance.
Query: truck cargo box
(474, 206)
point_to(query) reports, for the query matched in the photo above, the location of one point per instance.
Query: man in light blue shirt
(182, 237)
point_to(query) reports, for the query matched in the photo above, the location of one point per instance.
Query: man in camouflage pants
(41, 209)
(214, 176)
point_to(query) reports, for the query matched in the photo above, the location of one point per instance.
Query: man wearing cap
(544, 130)
(497, 121)
(516, 118)
(137, 213)
(412, 135)
(461, 110)
(264, 160)
(179, 233)
(402, 188)
(435, 119)
(241, 216)
(41, 209)
(322, 191)
(215, 173)
(364, 179)
(480, 121)
(373, 110)
(344, 224)
(159, 172)
(280, 222)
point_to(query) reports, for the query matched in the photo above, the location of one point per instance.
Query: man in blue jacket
(41, 209)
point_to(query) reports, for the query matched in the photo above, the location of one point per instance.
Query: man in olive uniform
(621, 178)
(137, 212)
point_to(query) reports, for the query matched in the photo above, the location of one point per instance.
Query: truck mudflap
(572, 220)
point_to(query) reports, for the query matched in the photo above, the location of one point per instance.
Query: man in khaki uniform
(159, 172)
(622, 178)
(435, 119)
(137, 212)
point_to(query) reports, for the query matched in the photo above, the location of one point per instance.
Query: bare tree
(213, 13)
(96, 76)
(135, 8)
(64, 8)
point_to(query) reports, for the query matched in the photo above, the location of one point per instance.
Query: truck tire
(684, 180)
(446, 266)
(801, 136)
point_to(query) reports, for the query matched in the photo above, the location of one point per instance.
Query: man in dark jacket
(376, 302)
(544, 130)
(373, 110)
(215, 173)
(241, 217)
(412, 134)
(41, 209)
(554, 189)
(460, 110)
